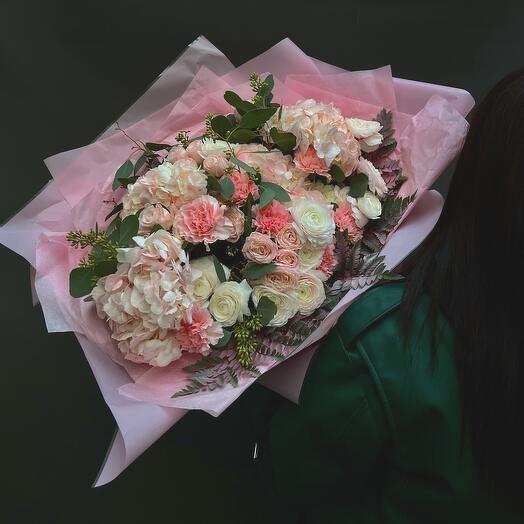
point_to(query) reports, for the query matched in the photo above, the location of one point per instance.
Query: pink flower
(259, 248)
(243, 186)
(177, 153)
(203, 220)
(309, 162)
(345, 221)
(237, 220)
(329, 261)
(216, 164)
(287, 258)
(155, 214)
(198, 335)
(290, 237)
(194, 150)
(272, 218)
(282, 279)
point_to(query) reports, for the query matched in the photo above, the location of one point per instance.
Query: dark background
(68, 69)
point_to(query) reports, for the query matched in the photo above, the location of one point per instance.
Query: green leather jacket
(377, 436)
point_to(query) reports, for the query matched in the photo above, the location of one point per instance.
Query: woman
(412, 411)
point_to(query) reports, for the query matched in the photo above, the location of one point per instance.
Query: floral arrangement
(220, 245)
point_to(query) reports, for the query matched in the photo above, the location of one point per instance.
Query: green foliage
(266, 197)
(248, 214)
(241, 136)
(152, 146)
(221, 126)
(226, 187)
(224, 341)
(285, 141)
(115, 210)
(266, 309)
(127, 230)
(255, 271)
(140, 162)
(358, 185)
(257, 117)
(123, 173)
(81, 281)
(389, 144)
(221, 274)
(246, 167)
(242, 106)
(278, 192)
(337, 174)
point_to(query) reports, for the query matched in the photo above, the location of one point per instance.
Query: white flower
(310, 293)
(309, 257)
(375, 181)
(286, 303)
(161, 244)
(315, 220)
(367, 131)
(370, 206)
(206, 278)
(359, 217)
(229, 302)
(210, 147)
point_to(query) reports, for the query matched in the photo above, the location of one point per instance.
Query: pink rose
(155, 214)
(272, 218)
(282, 279)
(259, 248)
(203, 220)
(237, 219)
(194, 150)
(243, 186)
(329, 261)
(289, 237)
(198, 335)
(216, 164)
(287, 258)
(309, 162)
(345, 221)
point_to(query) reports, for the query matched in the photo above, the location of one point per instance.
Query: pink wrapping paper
(430, 128)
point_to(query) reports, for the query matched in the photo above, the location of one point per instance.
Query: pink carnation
(216, 164)
(272, 218)
(243, 186)
(203, 220)
(345, 221)
(329, 261)
(197, 336)
(309, 162)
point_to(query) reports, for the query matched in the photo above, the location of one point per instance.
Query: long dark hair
(472, 267)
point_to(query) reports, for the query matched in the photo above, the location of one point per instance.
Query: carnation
(198, 335)
(328, 263)
(271, 218)
(345, 221)
(243, 187)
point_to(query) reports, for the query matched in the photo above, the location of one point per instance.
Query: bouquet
(206, 237)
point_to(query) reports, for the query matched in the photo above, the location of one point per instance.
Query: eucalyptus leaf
(104, 267)
(139, 163)
(124, 182)
(267, 309)
(280, 193)
(241, 136)
(124, 171)
(213, 184)
(358, 185)
(221, 274)
(246, 167)
(115, 210)
(257, 117)
(242, 106)
(81, 281)
(227, 187)
(337, 174)
(152, 146)
(256, 271)
(266, 197)
(248, 215)
(113, 226)
(226, 337)
(221, 126)
(127, 230)
(283, 140)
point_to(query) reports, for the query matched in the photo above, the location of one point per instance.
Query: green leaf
(242, 106)
(221, 274)
(256, 271)
(226, 337)
(128, 229)
(233, 119)
(104, 267)
(227, 187)
(158, 147)
(246, 167)
(221, 126)
(139, 163)
(280, 193)
(248, 215)
(111, 228)
(256, 117)
(284, 141)
(156, 227)
(81, 281)
(124, 171)
(241, 136)
(358, 185)
(213, 184)
(267, 309)
(124, 182)
(114, 211)
(337, 174)
(266, 197)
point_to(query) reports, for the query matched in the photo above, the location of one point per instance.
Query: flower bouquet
(220, 228)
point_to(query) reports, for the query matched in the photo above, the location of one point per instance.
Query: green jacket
(377, 435)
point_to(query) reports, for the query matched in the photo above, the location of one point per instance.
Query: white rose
(210, 147)
(315, 220)
(309, 257)
(206, 278)
(363, 128)
(375, 181)
(370, 206)
(310, 293)
(286, 303)
(229, 302)
(359, 217)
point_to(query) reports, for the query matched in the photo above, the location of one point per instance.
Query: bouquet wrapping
(257, 207)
